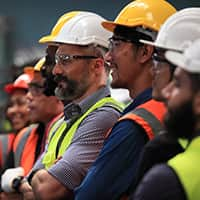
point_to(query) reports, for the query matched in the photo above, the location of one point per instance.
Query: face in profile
(42, 108)
(180, 119)
(72, 75)
(17, 111)
(162, 73)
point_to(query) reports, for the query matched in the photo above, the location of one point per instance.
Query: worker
(182, 120)
(17, 113)
(30, 142)
(81, 76)
(181, 29)
(130, 62)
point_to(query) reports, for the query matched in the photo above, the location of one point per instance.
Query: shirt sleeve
(115, 167)
(85, 146)
(159, 183)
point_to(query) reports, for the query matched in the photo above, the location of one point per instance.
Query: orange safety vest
(6, 142)
(26, 142)
(24, 147)
(149, 116)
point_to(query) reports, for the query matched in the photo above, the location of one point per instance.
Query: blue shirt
(115, 167)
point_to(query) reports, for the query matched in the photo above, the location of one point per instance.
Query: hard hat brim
(154, 44)
(46, 39)
(109, 25)
(177, 59)
(10, 88)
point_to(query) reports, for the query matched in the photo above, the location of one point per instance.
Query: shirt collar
(74, 110)
(144, 96)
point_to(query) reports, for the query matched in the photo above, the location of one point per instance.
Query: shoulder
(22, 133)
(159, 177)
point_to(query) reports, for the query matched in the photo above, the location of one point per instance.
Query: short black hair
(133, 33)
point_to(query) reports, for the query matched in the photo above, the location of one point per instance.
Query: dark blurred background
(22, 23)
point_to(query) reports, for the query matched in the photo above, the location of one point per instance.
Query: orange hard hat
(20, 83)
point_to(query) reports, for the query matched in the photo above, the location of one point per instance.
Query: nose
(11, 110)
(29, 96)
(108, 58)
(166, 91)
(57, 69)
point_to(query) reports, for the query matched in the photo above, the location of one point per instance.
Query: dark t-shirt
(160, 183)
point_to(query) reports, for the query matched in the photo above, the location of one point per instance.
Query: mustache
(59, 77)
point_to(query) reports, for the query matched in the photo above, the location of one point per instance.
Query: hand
(11, 196)
(9, 176)
(27, 191)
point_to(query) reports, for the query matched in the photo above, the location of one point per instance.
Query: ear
(146, 52)
(98, 64)
(196, 104)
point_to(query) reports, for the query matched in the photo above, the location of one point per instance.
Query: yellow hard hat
(36, 68)
(56, 29)
(146, 13)
(39, 64)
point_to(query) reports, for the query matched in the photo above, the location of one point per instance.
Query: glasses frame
(66, 59)
(114, 39)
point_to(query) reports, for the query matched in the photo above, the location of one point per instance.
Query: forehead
(18, 92)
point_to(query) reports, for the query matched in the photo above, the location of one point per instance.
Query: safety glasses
(66, 59)
(114, 42)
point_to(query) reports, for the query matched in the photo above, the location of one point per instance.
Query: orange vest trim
(28, 154)
(51, 123)
(18, 138)
(25, 157)
(148, 115)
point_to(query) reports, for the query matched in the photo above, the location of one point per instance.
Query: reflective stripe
(6, 145)
(153, 122)
(149, 116)
(20, 146)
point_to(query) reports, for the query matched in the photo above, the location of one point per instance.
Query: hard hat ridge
(84, 28)
(179, 30)
(189, 60)
(145, 13)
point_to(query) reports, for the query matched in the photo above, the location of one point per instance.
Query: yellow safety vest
(187, 169)
(58, 129)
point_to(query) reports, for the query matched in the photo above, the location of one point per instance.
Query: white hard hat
(83, 29)
(179, 30)
(189, 60)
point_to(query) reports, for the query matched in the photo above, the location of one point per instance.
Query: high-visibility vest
(24, 148)
(26, 142)
(149, 116)
(61, 131)
(6, 142)
(186, 168)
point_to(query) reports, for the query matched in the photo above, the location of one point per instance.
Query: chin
(116, 85)
(157, 96)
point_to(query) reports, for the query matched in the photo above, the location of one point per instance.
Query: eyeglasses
(160, 58)
(66, 59)
(35, 89)
(116, 41)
